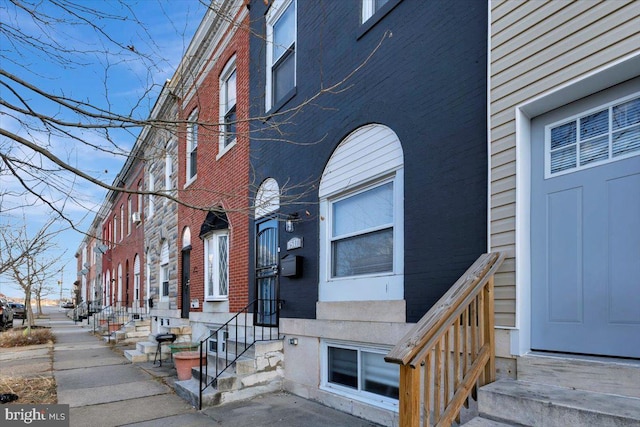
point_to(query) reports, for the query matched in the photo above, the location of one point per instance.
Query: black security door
(267, 273)
(186, 268)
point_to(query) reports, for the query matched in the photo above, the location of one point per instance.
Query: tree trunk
(27, 307)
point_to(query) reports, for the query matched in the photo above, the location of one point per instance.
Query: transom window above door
(602, 135)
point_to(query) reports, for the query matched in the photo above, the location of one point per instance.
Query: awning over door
(214, 221)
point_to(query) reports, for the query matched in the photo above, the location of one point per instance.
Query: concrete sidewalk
(103, 388)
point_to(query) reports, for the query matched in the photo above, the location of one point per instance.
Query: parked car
(19, 311)
(6, 315)
(67, 304)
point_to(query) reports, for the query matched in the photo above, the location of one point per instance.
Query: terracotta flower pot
(114, 327)
(184, 361)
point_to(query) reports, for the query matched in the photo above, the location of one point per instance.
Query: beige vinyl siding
(537, 46)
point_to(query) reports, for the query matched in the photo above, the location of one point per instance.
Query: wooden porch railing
(450, 351)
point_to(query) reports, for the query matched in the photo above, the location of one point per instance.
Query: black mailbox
(291, 266)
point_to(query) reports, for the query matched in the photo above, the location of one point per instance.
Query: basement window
(360, 372)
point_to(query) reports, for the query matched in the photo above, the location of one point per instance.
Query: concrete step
(136, 334)
(603, 375)
(134, 356)
(147, 347)
(485, 422)
(532, 404)
(189, 390)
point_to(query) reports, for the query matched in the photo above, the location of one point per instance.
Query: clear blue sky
(100, 74)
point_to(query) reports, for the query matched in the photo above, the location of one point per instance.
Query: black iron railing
(264, 316)
(115, 316)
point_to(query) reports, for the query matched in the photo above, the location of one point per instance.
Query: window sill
(216, 299)
(376, 17)
(275, 108)
(224, 150)
(344, 392)
(190, 181)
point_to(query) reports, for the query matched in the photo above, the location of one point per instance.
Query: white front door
(585, 226)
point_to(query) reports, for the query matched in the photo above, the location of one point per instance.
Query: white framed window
(115, 228)
(129, 212)
(281, 51)
(602, 135)
(192, 146)
(218, 342)
(164, 271)
(139, 202)
(359, 371)
(121, 221)
(168, 170)
(136, 281)
(119, 300)
(152, 199)
(362, 231)
(370, 7)
(216, 262)
(362, 218)
(228, 115)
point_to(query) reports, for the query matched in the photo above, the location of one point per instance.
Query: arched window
(119, 300)
(361, 208)
(136, 281)
(267, 198)
(186, 237)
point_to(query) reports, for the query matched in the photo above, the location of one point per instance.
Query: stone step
(189, 390)
(147, 347)
(136, 334)
(532, 404)
(134, 356)
(604, 375)
(485, 422)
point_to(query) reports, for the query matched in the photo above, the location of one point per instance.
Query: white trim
(367, 157)
(119, 300)
(164, 277)
(267, 198)
(192, 122)
(212, 262)
(228, 69)
(275, 12)
(186, 237)
(575, 118)
(136, 280)
(359, 395)
(601, 78)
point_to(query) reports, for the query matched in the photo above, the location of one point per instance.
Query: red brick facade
(125, 240)
(221, 181)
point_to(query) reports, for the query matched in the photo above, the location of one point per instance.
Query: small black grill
(162, 338)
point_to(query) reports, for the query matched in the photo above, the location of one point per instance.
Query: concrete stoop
(146, 345)
(259, 373)
(145, 351)
(564, 391)
(531, 404)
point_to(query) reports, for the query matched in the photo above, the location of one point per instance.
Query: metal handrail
(247, 344)
(111, 314)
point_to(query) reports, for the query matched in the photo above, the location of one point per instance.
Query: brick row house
(339, 165)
